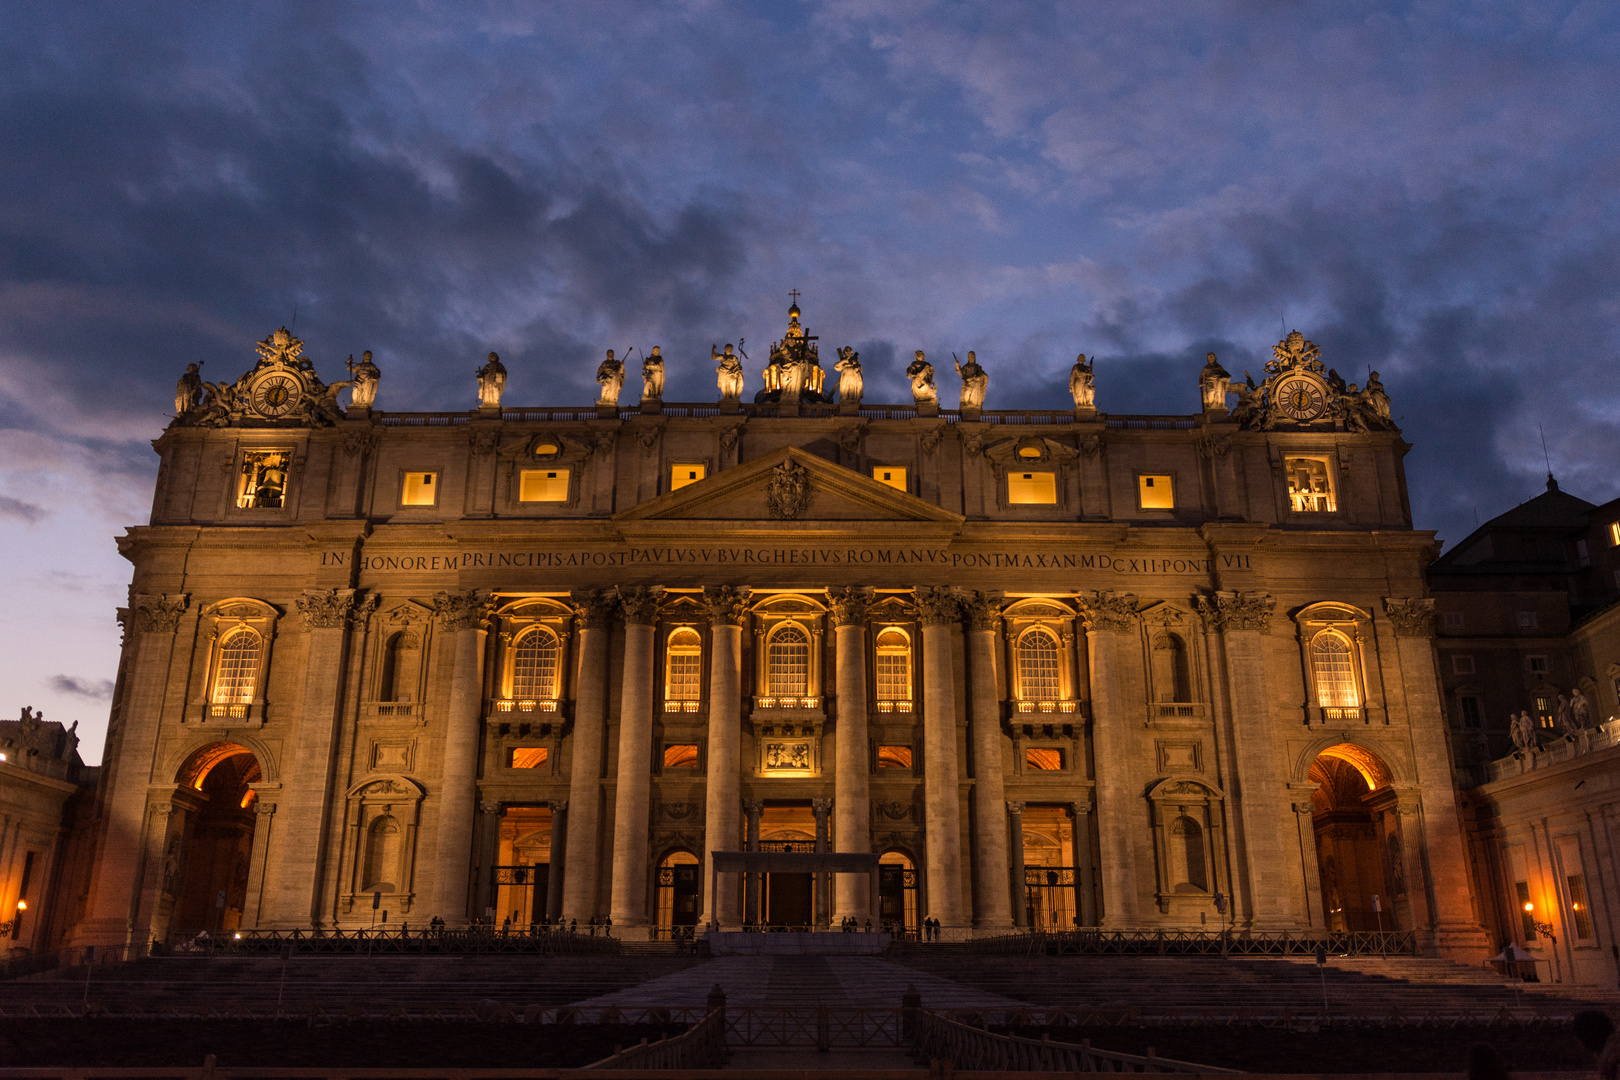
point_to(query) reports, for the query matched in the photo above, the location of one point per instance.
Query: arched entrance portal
(679, 888)
(897, 893)
(1353, 814)
(218, 841)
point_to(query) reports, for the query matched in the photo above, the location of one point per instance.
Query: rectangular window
(1527, 620)
(1472, 715)
(1527, 911)
(682, 475)
(1580, 911)
(894, 757)
(1032, 488)
(543, 485)
(1310, 488)
(685, 675)
(681, 756)
(1155, 493)
(1462, 665)
(1043, 759)
(1544, 707)
(1614, 534)
(264, 480)
(1536, 665)
(419, 489)
(892, 475)
(526, 757)
(1454, 620)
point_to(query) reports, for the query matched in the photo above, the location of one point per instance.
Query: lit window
(894, 670)
(1029, 488)
(892, 475)
(526, 757)
(1462, 665)
(1578, 906)
(1614, 534)
(1472, 715)
(1527, 620)
(1309, 489)
(546, 449)
(788, 662)
(894, 757)
(1454, 620)
(1038, 667)
(534, 664)
(264, 480)
(1031, 452)
(419, 489)
(1544, 708)
(543, 485)
(1333, 665)
(681, 475)
(238, 673)
(1155, 493)
(681, 756)
(1043, 759)
(683, 670)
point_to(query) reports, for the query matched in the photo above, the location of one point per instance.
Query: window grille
(534, 665)
(788, 663)
(684, 668)
(238, 668)
(1038, 667)
(1333, 665)
(894, 669)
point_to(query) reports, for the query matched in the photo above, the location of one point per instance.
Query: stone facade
(1056, 666)
(46, 797)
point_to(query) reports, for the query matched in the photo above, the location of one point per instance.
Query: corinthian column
(632, 804)
(464, 617)
(852, 797)
(939, 609)
(1109, 617)
(594, 609)
(990, 869)
(727, 609)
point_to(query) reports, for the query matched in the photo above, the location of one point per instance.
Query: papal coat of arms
(787, 495)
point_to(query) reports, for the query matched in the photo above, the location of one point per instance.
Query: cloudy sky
(1428, 189)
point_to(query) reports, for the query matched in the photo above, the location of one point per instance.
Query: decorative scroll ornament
(849, 605)
(640, 603)
(462, 610)
(160, 614)
(937, 605)
(1236, 611)
(1412, 617)
(727, 604)
(983, 610)
(593, 607)
(1298, 389)
(787, 494)
(677, 811)
(326, 609)
(283, 388)
(1109, 610)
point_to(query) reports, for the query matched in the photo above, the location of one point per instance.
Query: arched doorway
(1353, 815)
(680, 886)
(211, 856)
(897, 892)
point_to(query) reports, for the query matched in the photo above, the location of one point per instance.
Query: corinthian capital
(1109, 610)
(462, 610)
(983, 610)
(849, 605)
(159, 613)
(593, 608)
(326, 609)
(938, 605)
(640, 602)
(1413, 617)
(727, 604)
(1225, 611)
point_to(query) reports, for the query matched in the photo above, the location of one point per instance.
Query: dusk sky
(1425, 189)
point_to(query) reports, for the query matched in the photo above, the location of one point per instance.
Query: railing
(701, 1046)
(423, 419)
(1177, 708)
(1013, 417)
(1196, 942)
(1044, 706)
(821, 1027)
(539, 940)
(1151, 423)
(971, 1048)
(526, 705)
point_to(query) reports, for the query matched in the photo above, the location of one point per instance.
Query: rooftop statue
(1522, 732)
(365, 375)
(188, 391)
(610, 377)
(728, 373)
(851, 383)
(974, 382)
(921, 374)
(1082, 385)
(793, 374)
(652, 376)
(1213, 384)
(1580, 708)
(491, 383)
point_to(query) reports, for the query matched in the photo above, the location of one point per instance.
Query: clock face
(277, 395)
(1300, 399)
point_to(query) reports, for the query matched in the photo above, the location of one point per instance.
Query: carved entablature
(1412, 617)
(1229, 611)
(1300, 391)
(238, 635)
(1338, 654)
(382, 818)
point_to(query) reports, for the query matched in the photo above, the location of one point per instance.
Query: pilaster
(939, 610)
(728, 607)
(1109, 617)
(852, 820)
(464, 618)
(633, 793)
(993, 888)
(593, 608)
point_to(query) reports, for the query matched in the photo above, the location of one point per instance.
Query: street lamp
(14, 926)
(1220, 909)
(1544, 929)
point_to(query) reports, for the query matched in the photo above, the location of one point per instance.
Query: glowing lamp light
(22, 905)
(238, 937)
(1528, 906)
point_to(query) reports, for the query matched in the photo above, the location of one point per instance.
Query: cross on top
(795, 294)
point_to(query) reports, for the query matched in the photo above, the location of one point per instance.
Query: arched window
(1333, 669)
(534, 664)
(683, 671)
(788, 662)
(237, 675)
(1187, 854)
(1170, 680)
(382, 854)
(1038, 678)
(893, 671)
(402, 667)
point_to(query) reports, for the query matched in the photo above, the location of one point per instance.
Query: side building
(1054, 668)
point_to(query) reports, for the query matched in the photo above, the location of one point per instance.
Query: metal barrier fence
(1193, 943)
(971, 1048)
(700, 1046)
(470, 939)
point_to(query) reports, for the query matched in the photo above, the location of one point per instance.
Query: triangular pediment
(758, 491)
